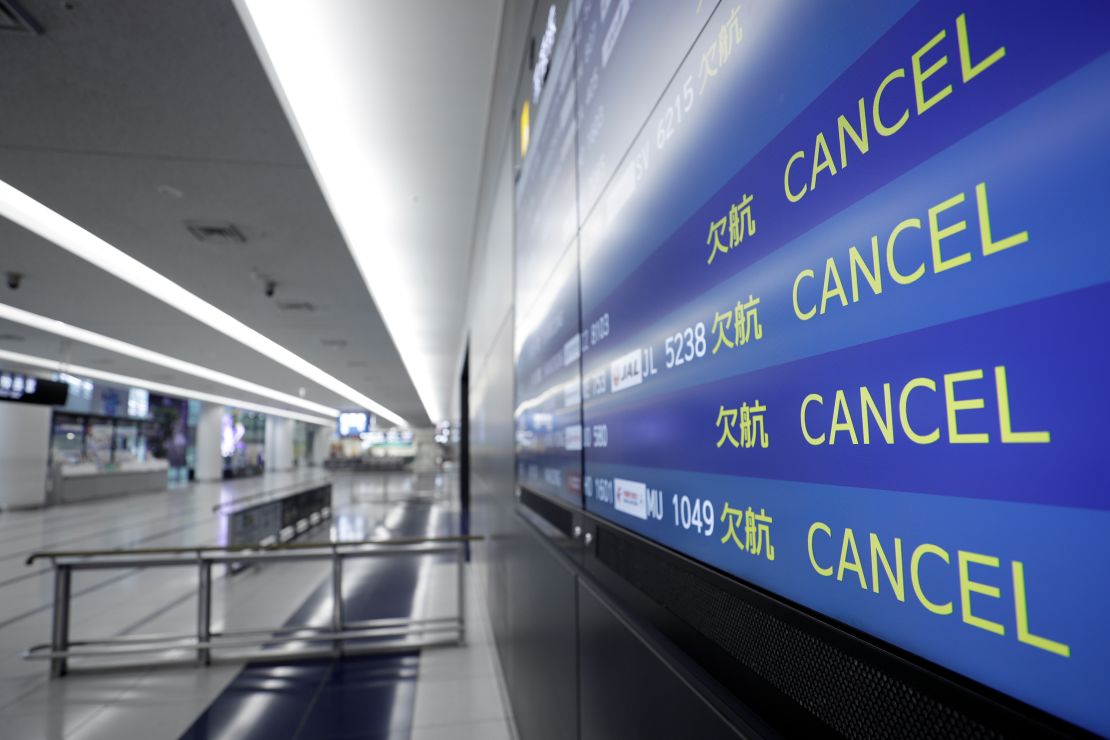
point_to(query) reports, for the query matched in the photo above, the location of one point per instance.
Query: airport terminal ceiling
(809, 294)
(155, 127)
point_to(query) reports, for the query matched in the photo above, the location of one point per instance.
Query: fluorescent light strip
(169, 390)
(310, 72)
(52, 226)
(62, 329)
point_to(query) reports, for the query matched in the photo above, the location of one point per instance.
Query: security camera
(14, 279)
(271, 286)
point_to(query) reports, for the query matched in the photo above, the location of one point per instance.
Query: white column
(427, 449)
(209, 461)
(321, 445)
(268, 443)
(279, 444)
(24, 453)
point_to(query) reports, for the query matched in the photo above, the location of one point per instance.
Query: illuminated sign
(525, 127)
(841, 312)
(29, 389)
(543, 56)
(353, 423)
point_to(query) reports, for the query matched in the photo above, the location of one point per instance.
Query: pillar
(209, 460)
(278, 444)
(24, 454)
(321, 445)
(427, 450)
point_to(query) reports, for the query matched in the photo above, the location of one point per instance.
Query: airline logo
(572, 393)
(627, 371)
(630, 497)
(572, 349)
(572, 437)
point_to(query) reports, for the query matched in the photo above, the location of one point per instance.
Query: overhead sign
(29, 389)
(353, 423)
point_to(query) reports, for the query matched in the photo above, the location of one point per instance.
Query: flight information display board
(842, 291)
(547, 348)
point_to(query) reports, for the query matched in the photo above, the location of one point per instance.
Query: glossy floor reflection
(451, 692)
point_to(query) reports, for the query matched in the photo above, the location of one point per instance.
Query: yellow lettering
(854, 565)
(791, 195)
(968, 69)
(804, 316)
(903, 404)
(909, 223)
(884, 421)
(1022, 610)
(822, 160)
(859, 137)
(968, 587)
(915, 577)
(897, 582)
(881, 127)
(857, 265)
(955, 436)
(920, 76)
(989, 245)
(838, 291)
(1009, 436)
(809, 542)
(936, 234)
(805, 431)
(842, 420)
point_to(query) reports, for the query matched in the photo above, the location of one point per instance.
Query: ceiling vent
(215, 232)
(14, 19)
(334, 342)
(10, 338)
(296, 306)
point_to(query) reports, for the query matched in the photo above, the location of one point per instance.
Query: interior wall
(24, 447)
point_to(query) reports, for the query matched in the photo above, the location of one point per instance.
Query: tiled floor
(452, 692)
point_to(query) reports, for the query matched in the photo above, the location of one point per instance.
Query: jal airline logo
(627, 371)
(630, 497)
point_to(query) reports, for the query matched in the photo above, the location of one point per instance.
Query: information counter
(87, 481)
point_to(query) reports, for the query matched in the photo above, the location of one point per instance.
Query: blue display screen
(841, 284)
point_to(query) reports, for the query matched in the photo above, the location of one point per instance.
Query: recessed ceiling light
(216, 232)
(169, 390)
(52, 226)
(62, 329)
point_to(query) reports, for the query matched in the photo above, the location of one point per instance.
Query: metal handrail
(263, 494)
(401, 541)
(205, 640)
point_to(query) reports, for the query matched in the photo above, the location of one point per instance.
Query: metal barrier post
(59, 636)
(204, 611)
(337, 598)
(462, 592)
